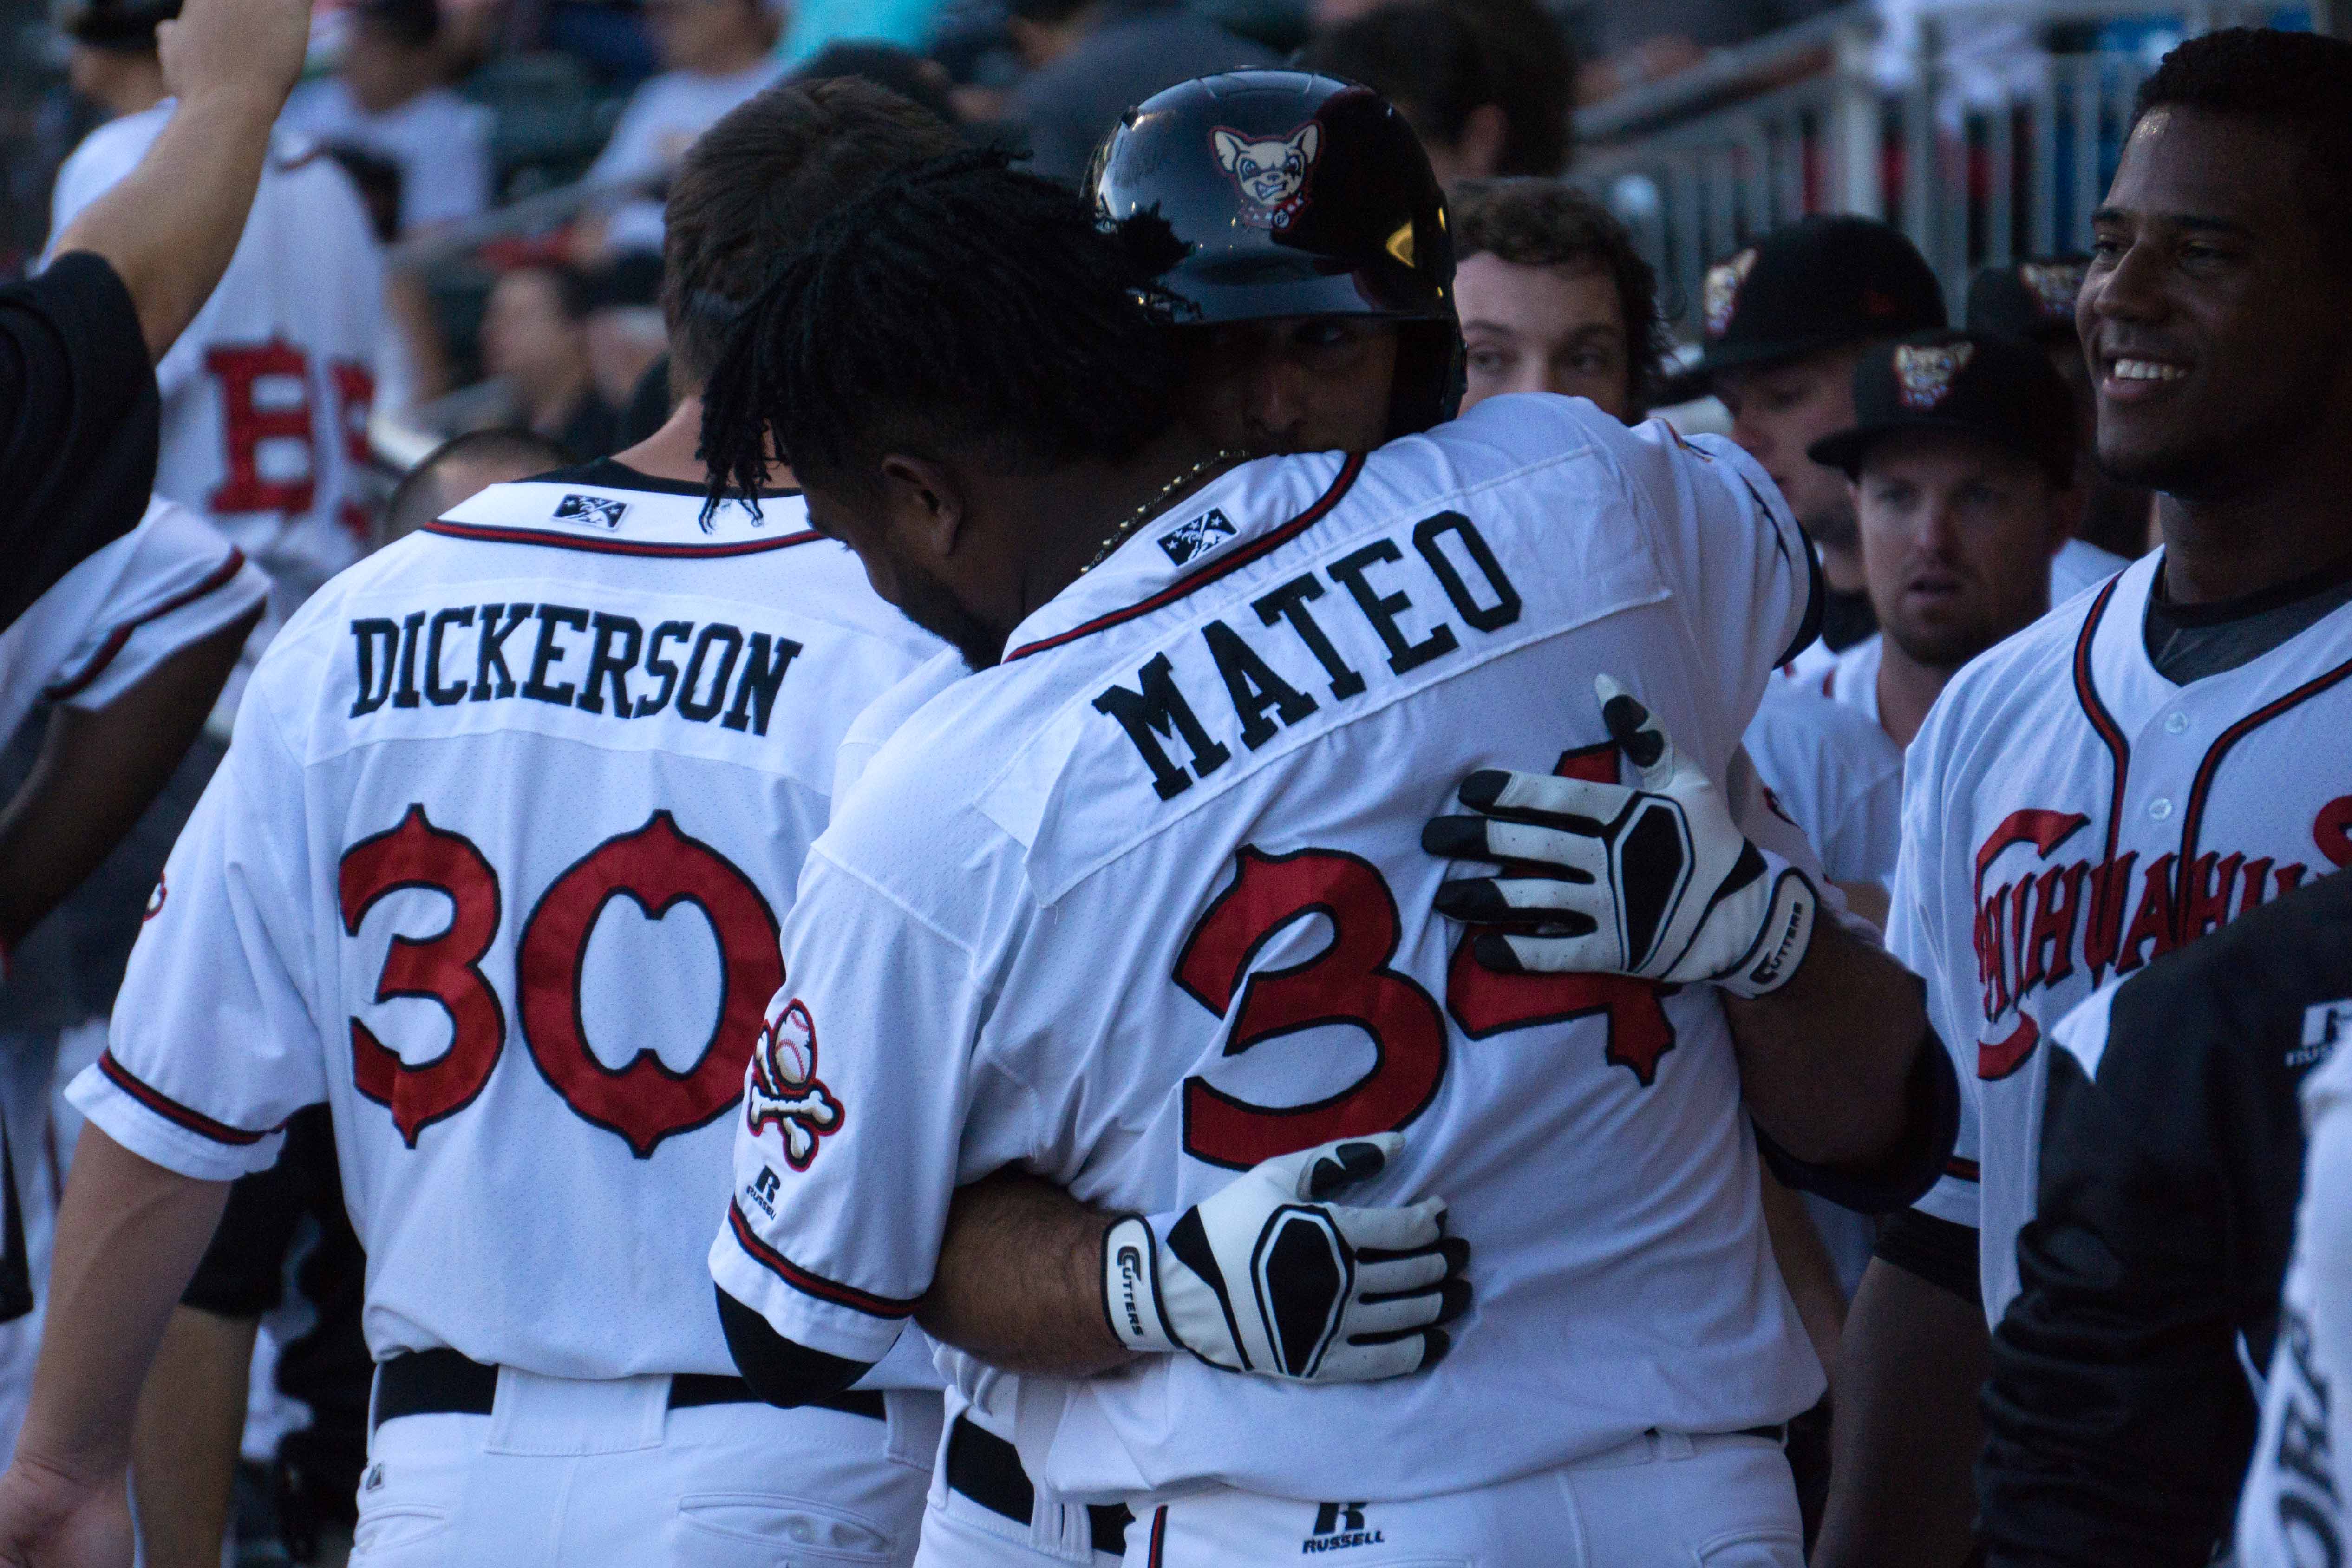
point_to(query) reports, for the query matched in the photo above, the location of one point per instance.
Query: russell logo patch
(1198, 537)
(785, 1089)
(601, 509)
(1924, 376)
(1272, 174)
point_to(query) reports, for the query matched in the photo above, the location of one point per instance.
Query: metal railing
(1979, 157)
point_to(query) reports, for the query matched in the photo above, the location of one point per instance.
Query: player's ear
(923, 502)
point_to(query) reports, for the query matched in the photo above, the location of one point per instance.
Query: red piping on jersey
(2086, 693)
(172, 1111)
(1962, 1169)
(1214, 569)
(2202, 789)
(815, 1285)
(79, 680)
(1158, 1536)
(615, 546)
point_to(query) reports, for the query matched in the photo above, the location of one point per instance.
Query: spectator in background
(625, 333)
(1486, 83)
(1091, 61)
(388, 98)
(535, 339)
(1553, 297)
(718, 53)
(2033, 301)
(1626, 47)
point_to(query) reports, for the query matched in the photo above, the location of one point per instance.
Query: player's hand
(246, 49)
(1653, 881)
(50, 1519)
(1267, 1277)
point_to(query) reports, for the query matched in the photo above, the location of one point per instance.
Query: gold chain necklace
(1143, 513)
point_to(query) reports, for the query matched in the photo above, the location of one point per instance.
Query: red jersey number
(657, 868)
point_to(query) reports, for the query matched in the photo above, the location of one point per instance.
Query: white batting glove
(1654, 881)
(1265, 1278)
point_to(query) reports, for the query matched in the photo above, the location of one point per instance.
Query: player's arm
(1907, 1431)
(62, 1498)
(170, 227)
(1839, 1066)
(98, 771)
(184, 1442)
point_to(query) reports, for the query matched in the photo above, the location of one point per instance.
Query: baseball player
(267, 394)
(132, 646)
(494, 869)
(2119, 1417)
(1188, 927)
(1962, 467)
(2146, 762)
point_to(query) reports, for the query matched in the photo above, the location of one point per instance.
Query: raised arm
(170, 227)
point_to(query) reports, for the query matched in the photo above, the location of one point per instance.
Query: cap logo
(2054, 285)
(1925, 374)
(1271, 173)
(1723, 281)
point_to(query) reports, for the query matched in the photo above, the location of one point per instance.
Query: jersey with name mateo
(1146, 904)
(2069, 815)
(495, 867)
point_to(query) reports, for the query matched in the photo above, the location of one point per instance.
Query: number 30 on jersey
(656, 866)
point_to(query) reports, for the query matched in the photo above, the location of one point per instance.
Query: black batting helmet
(1296, 194)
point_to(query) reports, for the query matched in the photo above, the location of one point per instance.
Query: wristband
(1130, 1274)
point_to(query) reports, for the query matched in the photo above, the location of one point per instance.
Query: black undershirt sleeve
(78, 414)
(779, 1370)
(1937, 1250)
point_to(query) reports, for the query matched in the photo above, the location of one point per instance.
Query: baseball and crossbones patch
(784, 1088)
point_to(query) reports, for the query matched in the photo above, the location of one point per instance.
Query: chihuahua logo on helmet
(784, 1088)
(1271, 174)
(2054, 285)
(1723, 281)
(1924, 376)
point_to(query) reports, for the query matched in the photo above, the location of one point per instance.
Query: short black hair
(2299, 84)
(961, 307)
(756, 183)
(1437, 61)
(1550, 223)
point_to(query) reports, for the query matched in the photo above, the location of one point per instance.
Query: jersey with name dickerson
(1168, 915)
(495, 867)
(2069, 815)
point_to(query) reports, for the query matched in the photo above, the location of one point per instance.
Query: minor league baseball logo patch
(1722, 295)
(2054, 285)
(1271, 174)
(602, 510)
(784, 1088)
(1924, 376)
(1198, 537)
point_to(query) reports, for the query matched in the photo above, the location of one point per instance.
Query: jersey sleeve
(851, 1138)
(1739, 566)
(182, 583)
(213, 1042)
(1918, 936)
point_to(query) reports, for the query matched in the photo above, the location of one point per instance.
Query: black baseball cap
(1998, 388)
(2031, 299)
(1816, 284)
(121, 23)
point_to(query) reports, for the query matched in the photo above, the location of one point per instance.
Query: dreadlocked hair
(960, 306)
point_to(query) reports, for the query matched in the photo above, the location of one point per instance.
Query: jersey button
(2159, 808)
(2175, 723)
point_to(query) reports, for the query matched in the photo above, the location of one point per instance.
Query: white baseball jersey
(101, 627)
(495, 867)
(2292, 1512)
(1838, 775)
(2068, 814)
(265, 395)
(1146, 904)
